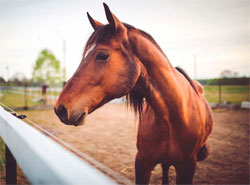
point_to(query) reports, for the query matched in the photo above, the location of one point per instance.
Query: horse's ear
(95, 24)
(112, 19)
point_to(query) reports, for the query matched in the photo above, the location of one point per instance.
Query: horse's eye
(102, 56)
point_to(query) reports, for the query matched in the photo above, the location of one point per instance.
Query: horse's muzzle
(72, 119)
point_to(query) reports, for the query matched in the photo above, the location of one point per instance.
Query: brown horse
(175, 119)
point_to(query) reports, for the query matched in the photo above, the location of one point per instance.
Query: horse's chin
(81, 123)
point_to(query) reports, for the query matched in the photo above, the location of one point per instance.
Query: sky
(215, 32)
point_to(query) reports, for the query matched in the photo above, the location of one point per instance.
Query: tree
(47, 69)
(18, 78)
(228, 74)
(2, 81)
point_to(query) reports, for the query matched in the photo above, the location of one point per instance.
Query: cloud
(216, 31)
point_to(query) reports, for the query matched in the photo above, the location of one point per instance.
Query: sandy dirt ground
(109, 136)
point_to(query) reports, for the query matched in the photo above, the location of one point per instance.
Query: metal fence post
(219, 91)
(11, 170)
(25, 97)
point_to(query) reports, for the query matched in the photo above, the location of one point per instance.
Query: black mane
(187, 77)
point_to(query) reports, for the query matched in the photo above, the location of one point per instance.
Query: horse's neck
(161, 85)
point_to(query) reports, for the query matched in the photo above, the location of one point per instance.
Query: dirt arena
(109, 136)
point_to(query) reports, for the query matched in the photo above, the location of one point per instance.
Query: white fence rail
(42, 160)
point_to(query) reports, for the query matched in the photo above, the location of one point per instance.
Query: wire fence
(29, 97)
(22, 97)
(18, 97)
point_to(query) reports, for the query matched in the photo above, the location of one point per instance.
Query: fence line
(35, 94)
(42, 160)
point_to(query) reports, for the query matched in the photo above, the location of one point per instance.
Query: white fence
(42, 160)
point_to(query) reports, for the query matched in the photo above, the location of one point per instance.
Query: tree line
(48, 71)
(226, 81)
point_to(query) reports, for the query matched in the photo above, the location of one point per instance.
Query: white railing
(42, 160)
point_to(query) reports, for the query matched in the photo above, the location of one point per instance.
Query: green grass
(39, 92)
(2, 158)
(229, 93)
(16, 100)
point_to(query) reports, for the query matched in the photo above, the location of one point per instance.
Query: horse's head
(107, 71)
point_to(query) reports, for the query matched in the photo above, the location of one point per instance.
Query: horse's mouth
(80, 120)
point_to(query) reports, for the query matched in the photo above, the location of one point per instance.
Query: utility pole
(7, 69)
(195, 67)
(64, 62)
(7, 80)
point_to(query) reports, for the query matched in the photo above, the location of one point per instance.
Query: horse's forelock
(100, 35)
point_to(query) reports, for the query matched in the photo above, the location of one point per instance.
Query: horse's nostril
(61, 112)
